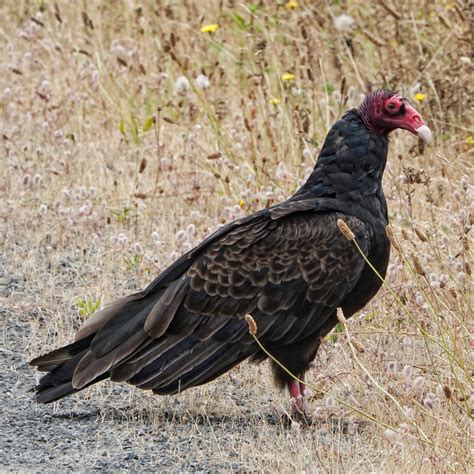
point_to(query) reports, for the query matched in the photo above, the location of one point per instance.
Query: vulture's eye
(391, 106)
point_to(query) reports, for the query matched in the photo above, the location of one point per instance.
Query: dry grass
(112, 166)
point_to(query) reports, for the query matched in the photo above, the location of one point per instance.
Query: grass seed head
(340, 316)
(391, 237)
(421, 235)
(252, 324)
(345, 230)
(358, 345)
(448, 392)
(417, 265)
(465, 242)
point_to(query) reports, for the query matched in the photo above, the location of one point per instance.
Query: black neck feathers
(350, 166)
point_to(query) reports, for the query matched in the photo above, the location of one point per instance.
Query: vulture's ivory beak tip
(424, 133)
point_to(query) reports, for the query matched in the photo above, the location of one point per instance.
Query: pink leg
(296, 397)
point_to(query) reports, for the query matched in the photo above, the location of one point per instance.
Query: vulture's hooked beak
(415, 124)
(424, 133)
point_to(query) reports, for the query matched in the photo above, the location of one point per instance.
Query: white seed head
(392, 366)
(330, 402)
(391, 435)
(418, 382)
(414, 89)
(137, 248)
(428, 403)
(296, 91)
(407, 371)
(419, 300)
(181, 85)
(121, 239)
(37, 178)
(281, 171)
(191, 230)
(174, 256)
(404, 427)
(180, 236)
(344, 23)
(407, 342)
(307, 155)
(409, 413)
(202, 82)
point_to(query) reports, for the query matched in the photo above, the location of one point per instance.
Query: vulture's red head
(383, 111)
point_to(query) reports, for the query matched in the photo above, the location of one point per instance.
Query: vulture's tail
(60, 365)
(148, 340)
(112, 326)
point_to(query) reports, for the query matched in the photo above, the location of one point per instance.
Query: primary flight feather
(288, 266)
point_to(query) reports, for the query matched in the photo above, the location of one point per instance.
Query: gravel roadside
(114, 428)
(233, 424)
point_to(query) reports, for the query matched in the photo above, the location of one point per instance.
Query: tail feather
(51, 393)
(62, 373)
(51, 360)
(90, 367)
(60, 365)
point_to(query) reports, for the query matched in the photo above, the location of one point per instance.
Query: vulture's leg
(296, 398)
(298, 402)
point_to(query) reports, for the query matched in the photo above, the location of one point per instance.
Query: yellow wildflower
(292, 5)
(275, 101)
(469, 140)
(209, 28)
(241, 203)
(419, 97)
(288, 76)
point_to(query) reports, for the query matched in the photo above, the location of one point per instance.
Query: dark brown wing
(287, 270)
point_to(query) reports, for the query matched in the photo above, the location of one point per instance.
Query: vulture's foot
(298, 403)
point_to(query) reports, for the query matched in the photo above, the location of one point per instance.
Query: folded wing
(289, 269)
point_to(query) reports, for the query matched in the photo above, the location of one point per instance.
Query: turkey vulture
(288, 266)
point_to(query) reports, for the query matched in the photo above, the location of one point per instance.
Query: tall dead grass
(128, 134)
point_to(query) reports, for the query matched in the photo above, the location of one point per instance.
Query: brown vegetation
(128, 134)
